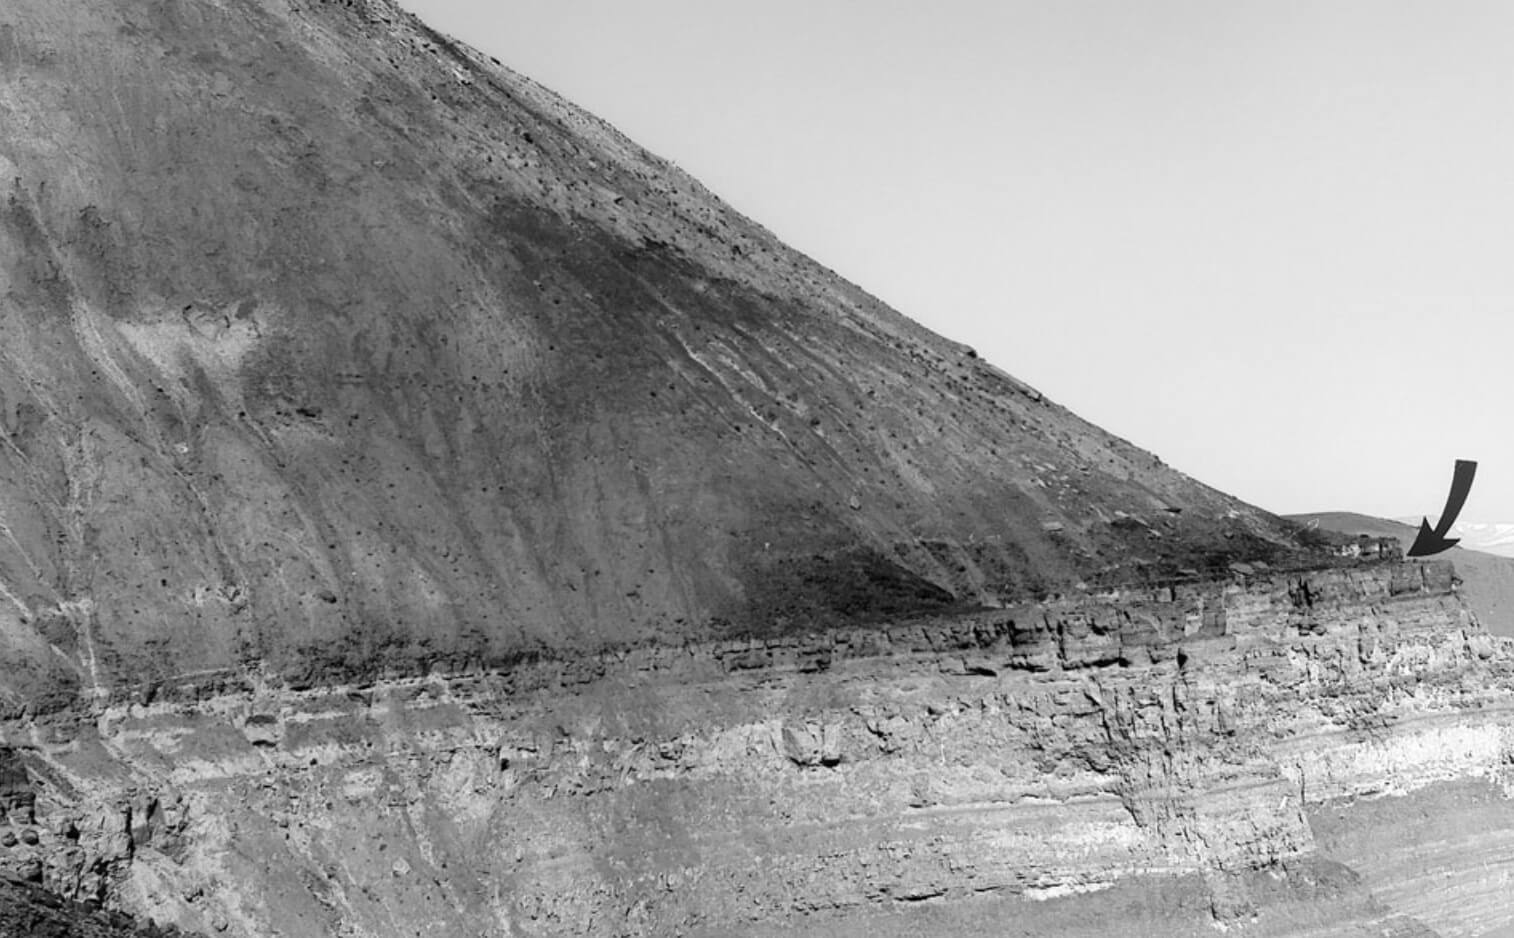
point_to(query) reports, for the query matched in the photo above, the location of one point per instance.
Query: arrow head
(1428, 542)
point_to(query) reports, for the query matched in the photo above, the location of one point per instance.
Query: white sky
(1272, 242)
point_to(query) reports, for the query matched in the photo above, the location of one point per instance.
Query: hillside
(426, 514)
(330, 347)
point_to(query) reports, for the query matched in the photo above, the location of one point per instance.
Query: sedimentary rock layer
(391, 455)
(1234, 753)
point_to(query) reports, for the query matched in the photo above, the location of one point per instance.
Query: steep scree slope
(331, 348)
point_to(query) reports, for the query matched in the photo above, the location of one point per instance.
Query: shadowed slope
(330, 347)
(27, 911)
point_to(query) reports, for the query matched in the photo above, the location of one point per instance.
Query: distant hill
(1489, 538)
(1487, 578)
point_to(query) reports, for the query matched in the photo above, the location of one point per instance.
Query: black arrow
(1433, 542)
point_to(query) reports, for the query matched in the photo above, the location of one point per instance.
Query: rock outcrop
(425, 513)
(1487, 579)
(1272, 756)
(28, 911)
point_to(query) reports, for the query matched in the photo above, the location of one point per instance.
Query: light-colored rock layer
(1020, 755)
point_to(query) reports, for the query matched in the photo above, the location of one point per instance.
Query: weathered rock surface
(28, 911)
(1487, 579)
(425, 513)
(330, 347)
(1254, 755)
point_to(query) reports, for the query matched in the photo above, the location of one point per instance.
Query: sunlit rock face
(425, 512)
(1322, 753)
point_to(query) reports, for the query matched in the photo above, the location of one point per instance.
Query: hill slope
(361, 402)
(329, 347)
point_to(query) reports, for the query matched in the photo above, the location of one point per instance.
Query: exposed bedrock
(392, 453)
(1275, 756)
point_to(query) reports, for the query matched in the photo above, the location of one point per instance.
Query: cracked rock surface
(423, 512)
(1270, 763)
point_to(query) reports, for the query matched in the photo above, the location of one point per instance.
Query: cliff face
(423, 512)
(1487, 579)
(333, 348)
(1324, 753)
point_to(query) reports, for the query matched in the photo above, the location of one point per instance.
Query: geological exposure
(423, 512)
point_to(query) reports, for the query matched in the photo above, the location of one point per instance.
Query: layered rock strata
(1189, 743)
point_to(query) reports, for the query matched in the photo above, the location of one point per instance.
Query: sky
(1272, 242)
